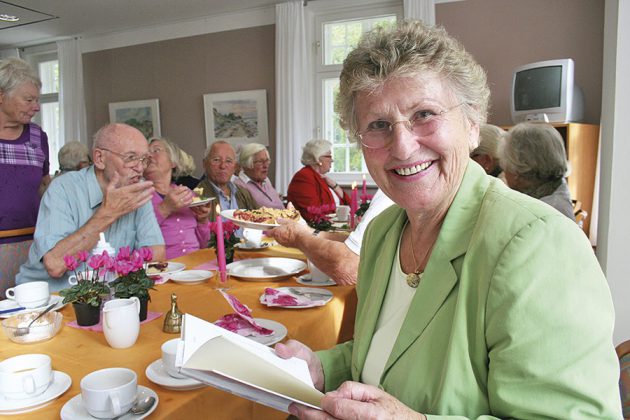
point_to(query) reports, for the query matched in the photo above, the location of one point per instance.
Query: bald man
(110, 196)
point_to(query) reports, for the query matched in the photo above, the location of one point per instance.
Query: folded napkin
(284, 297)
(99, 327)
(241, 322)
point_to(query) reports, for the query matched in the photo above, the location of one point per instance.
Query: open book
(238, 365)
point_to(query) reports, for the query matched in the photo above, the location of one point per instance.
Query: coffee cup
(110, 392)
(121, 322)
(317, 275)
(169, 352)
(25, 376)
(30, 295)
(342, 213)
(253, 237)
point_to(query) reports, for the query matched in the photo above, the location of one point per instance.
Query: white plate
(158, 375)
(229, 214)
(244, 247)
(279, 332)
(191, 276)
(173, 267)
(74, 409)
(265, 269)
(306, 280)
(328, 295)
(60, 384)
(201, 203)
(10, 304)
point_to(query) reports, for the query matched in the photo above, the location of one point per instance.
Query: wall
(503, 34)
(178, 72)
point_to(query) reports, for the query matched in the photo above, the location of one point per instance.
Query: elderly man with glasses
(220, 163)
(110, 196)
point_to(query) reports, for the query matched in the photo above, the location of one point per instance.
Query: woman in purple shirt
(185, 229)
(255, 162)
(24, 163)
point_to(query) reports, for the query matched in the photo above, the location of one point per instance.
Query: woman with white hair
(310, 186)
(255, 162)
(486, 154)
(534, 160)
(73, 156)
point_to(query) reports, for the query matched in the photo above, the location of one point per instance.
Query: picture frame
(236, 117)
(142, 114)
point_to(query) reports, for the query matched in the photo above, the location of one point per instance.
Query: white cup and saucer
(30, 295)
(164, 373)
(315, 277)
(27, 382)
(108, 393)
(252, 239)
(342, 213)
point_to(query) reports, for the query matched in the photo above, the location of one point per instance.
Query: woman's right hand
(294, 348)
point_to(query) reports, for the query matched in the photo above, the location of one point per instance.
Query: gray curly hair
(14, 72)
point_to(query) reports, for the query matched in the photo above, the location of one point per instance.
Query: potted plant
(317, 217)
(87, 292)
(132, 280)
(229, 239)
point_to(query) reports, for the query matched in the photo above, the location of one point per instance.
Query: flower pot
(86, 314)
(144, 308)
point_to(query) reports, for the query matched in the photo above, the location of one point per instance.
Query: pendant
(413, 279)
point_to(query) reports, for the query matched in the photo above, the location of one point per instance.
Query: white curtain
(71, 100)
(294, 110)
(423, 10)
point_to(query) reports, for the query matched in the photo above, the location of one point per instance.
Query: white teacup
(110, 392)
(253, 237)
(317, 275)
(169, 351)
(342, 213)
(30, 295)
(25, 376)
(121, 322)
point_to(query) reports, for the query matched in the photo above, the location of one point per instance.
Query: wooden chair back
(17, 232)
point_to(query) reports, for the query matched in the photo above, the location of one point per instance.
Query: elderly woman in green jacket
(474, 300)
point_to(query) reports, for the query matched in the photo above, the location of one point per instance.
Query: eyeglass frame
(217, 161)
(262, 162)
(130, 161)
(408, 124)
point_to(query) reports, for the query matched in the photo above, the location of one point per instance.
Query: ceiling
(44, 21)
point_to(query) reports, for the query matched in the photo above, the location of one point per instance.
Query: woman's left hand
(354, 400)
(202, 213)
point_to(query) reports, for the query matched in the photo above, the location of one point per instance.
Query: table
(79, 352)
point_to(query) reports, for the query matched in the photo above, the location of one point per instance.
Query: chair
(17, 232)
(623, 352)
(12, 256)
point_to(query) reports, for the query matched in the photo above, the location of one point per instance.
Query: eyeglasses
(130, 160)
(216, 161)
(423, 123)
(262, 162)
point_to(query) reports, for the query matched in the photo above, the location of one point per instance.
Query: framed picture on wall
(143, 115)
(236, 117)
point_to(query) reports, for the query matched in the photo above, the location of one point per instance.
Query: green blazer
(513, 317)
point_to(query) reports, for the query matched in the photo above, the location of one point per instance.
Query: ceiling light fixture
(8, 18)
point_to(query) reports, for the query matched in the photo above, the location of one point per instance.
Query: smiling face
(419, 173)
(21, 104)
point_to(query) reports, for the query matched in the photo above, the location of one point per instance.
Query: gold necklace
(413, 279)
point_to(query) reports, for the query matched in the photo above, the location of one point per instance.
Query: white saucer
(60, 384)
(74, 410)
(10, 304)
(279, 332)
(306, 280)
(158, 375)
(244, 247)
(191, 276)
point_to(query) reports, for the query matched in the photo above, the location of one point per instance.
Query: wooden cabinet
(581, 142)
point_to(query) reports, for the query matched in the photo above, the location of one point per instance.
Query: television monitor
(545, 91)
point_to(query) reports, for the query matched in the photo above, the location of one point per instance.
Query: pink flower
(96, 261)
(123, 267)
(147, 253)
(71, 263)
(137, 262)
(123, 253)
(229, 228)
(108, 262)
(83, 256)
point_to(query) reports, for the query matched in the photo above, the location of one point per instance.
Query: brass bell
(173, 319)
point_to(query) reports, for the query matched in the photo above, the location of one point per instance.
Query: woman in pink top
(185, 229)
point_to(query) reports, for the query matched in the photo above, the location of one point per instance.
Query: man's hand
(118, 201)
(289, 233)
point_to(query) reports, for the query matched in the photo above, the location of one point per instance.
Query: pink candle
(353, 204)
(364, 191)
(220, 246)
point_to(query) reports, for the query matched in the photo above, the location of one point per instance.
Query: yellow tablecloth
(79, 352)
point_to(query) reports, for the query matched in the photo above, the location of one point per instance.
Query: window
(337, 35)
(46, 64)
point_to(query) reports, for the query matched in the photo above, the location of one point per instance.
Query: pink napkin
(277, 297)
(241, 322)
(99, 327)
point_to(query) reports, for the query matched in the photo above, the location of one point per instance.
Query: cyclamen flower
(136, 260)
(83, 256)
(96, 262)
(123, 267)
(146, 253)
(123, 253)
(70, 262)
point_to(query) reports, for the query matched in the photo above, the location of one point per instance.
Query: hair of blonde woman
(14, 72)
(174, 153)
(313, 150)
(187, 164)
(407, 50)
(489, 138)
(247, 153)
(535, 152)
(71, 155)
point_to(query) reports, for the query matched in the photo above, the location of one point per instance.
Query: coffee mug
(317, 275)
(169, 351)
(25, 376)
(110, 392)
(253, 237)
(30, 295)
(121, 322)
(342, 213)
